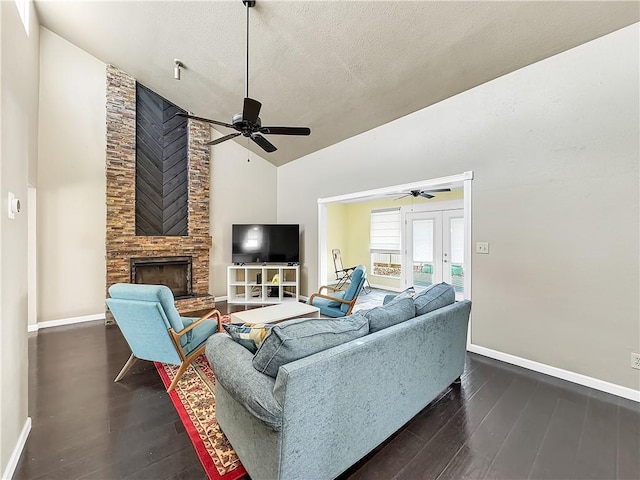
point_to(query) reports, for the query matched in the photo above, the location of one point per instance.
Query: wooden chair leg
(181, 370)
(186, 362)
(127, 366)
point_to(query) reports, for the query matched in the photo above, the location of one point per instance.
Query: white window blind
(385, 231)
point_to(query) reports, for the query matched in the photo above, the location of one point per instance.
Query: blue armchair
(153, 328)
(340, 303)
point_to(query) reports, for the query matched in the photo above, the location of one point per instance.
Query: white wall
(554, 149)
(71, 181)
(241, 192)
(18, 153)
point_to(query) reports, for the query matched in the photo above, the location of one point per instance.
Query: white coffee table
(275, 313)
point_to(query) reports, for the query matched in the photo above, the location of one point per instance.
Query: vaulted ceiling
(338, 67)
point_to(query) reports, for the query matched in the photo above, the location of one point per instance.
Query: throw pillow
(296, 339)
(408, 293)
(434, 297)
(394, 312)
(249, 335)
(335, 295)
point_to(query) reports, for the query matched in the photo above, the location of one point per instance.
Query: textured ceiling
(338, 67)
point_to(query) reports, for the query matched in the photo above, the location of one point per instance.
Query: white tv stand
(252, 283)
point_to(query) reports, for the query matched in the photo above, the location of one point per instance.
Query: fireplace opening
(174, 272)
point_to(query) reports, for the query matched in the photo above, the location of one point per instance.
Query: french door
(434, 249)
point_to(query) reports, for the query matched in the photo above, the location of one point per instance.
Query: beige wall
(18, 153)
(554, 151)
(71, 181)
(241, 192)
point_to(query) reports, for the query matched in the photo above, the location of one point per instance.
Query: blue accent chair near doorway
(337, 303)
(155, 331)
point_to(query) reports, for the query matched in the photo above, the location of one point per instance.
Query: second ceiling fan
(248, 122)
(423, 193)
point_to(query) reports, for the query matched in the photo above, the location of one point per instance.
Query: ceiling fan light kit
(248, 122)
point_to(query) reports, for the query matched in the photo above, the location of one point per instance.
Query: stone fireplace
(126, 249)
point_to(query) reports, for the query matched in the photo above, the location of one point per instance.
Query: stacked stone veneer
(122, 242)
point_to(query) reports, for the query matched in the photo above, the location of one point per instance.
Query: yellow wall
(337, 237)
(354, 222)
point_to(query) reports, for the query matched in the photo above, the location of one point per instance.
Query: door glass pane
(423, 253)
(457, 254)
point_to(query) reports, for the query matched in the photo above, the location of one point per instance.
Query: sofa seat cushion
(434, 297)
(394, 312)
(296, 339)
(249, 335)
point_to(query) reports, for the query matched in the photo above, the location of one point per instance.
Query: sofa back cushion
(434, 297)
(394, 312)
(294, 339)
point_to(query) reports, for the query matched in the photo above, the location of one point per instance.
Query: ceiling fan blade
(222, 139)
(407, 195)
(251, 110)
(286, 130)
(215, 122)
(264, 143)
(437, 190)
(426, 195)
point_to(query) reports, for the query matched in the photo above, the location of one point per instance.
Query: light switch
(482, 247)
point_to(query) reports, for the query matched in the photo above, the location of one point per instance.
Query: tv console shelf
(253, 283)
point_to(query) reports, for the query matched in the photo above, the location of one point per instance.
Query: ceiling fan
(423, 193)
(248, 122)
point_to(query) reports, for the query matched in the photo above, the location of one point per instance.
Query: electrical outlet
(635, 360)
(482, 247)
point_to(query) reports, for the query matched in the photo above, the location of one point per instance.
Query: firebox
(174, 272)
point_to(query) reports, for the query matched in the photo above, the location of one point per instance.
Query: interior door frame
(464, 178)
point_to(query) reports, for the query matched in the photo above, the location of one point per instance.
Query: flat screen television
(262, 243)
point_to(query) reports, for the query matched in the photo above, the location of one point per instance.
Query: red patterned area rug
(194, 400)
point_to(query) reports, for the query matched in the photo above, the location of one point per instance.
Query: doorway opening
(445, 256)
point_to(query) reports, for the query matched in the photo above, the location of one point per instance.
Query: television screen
(261, 243)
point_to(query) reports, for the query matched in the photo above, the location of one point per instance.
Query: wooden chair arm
(335, 299)
(200, 320)
(327, 287)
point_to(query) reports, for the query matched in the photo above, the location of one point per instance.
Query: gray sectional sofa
(324, 412)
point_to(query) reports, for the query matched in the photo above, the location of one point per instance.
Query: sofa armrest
(232, 367)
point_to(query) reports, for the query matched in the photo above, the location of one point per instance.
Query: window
(23, 10)
(385, 243)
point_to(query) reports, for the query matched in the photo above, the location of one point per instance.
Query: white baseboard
(578, 378)
(15, 456)
(65, 321)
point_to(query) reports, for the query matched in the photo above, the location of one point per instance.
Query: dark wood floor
(503, 422)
